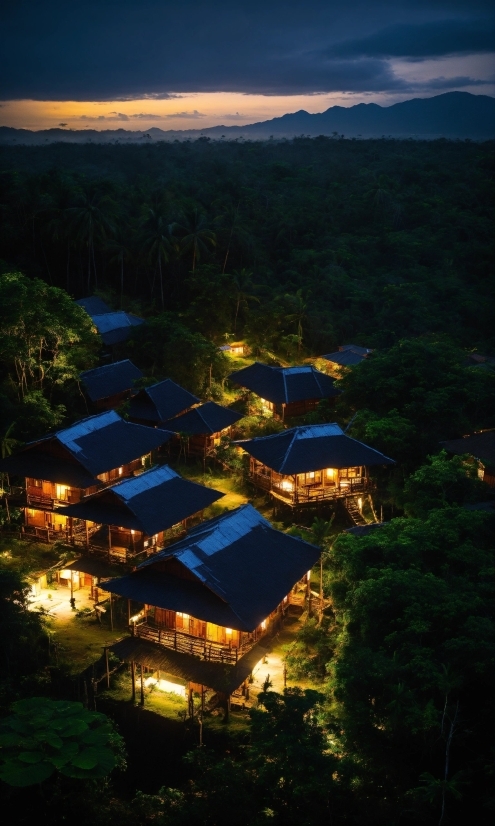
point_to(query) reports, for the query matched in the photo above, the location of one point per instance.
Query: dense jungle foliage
(298, 247)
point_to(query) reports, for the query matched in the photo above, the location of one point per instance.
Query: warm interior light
(121, 470)
(263, 625)
(287, 485)
(360, 504)
(228, 631)
(184, 616)
(330, 472)
(309, 575)
(61, 491)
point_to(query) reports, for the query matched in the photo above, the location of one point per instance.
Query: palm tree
(155, 235)
(299, 307)
(230, 226)
(195, 234)
(242, 284)
(321, 530)
(90, 220)
(120, 252)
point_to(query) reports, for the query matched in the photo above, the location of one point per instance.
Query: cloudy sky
(196, 63)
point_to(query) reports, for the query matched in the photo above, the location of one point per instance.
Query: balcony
(196, 646)
(311, 493)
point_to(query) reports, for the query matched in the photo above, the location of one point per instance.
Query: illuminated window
(121, 470)
(331, 473)
(61, 491)
(184, 616)
(228, 631)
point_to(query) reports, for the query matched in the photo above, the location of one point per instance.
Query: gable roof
(479, 445)
(110, 379)
(283, 385)
(93, 305)
(151, 502)
(362, 351)
(161, 401)
(97, 444)
(312, 447)
(345, 358)
(241, 569)
(208, 418)
(115, 327)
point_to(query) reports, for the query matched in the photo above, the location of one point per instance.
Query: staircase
(352, 509)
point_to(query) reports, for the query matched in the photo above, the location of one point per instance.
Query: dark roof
(206, 419)
(161, 401)
(36, 462)
(283, 385)
(344, 358)
(95, 567)
(115, 327)
(93, 305)
(151, 502)
(312, 447)
(479, 445)
(364, 530)
(242, 569)
(219, 676)
(362, 351)
(97, 444)
(110, 379)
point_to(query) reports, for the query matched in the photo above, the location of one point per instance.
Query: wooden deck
(310, 494)
(187, 644)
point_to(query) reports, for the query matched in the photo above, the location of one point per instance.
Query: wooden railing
(312, 493)
(187, 644)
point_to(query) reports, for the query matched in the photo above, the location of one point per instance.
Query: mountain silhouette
(454, 115)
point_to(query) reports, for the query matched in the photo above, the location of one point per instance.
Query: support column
(142, 685)
(109, 543)
(133, 681)
(107, 667)
(111, 612)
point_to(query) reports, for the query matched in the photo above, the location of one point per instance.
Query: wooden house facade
(154, 405)
(310, 464)
(110, 385)
(480, 448)
(205, 603)
(61, 468)
(348, 355)
(285, 392)
(131, 518)
(200, 430)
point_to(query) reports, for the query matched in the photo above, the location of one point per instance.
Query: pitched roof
(283, 385)
(479, 445)
(161, 401)
(363, 351)
(313, 447)
(98, 444)
(206, 419)
(345, 358)
(242, 568)
(110, 379)
(93, 305)
(151, 502)
(115, 327)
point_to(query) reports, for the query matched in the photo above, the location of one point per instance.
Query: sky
(107, 64)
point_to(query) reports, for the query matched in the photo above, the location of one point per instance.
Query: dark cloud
(431, 39)
(124, 50)
(446, 83)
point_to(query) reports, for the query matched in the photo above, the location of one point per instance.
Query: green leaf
(64, 755)
(87, 759)
(31, 756)
(29, 776)
(50, 738)
(9, 739)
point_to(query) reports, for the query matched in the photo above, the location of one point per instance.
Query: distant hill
(455, 115)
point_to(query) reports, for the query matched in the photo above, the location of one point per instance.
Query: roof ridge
(294, 436)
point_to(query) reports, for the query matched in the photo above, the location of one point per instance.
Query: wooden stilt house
(202, 427)
(132, 517)
(480, 448)
(286, 391)
(61, 468)
(203, 606)
(310, 464)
